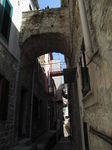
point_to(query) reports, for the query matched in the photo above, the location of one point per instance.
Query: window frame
(84, 71)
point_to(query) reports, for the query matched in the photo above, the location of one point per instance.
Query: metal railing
(101, 135)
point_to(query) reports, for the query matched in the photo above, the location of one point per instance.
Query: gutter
(93, 57)
(15, 100)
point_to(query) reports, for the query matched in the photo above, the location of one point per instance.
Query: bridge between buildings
(45, 31)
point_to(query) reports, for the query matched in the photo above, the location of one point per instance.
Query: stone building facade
(90, 99)
(90, 93)
(16, 75)
(94, 104)
(49, 29)
(8, 69)
(9, 58)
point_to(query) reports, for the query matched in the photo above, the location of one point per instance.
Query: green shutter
(6, 12)
(2, 12)
(11, 10)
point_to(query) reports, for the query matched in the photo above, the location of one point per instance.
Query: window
(5, 21)
(84, 71)
(86, 135)
(4, 88)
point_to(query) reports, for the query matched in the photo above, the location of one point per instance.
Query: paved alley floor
(46, 141)
(63, 144)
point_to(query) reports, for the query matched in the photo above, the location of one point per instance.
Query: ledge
(91, 92)
(3, 41)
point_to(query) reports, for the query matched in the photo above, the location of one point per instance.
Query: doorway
(86, 135)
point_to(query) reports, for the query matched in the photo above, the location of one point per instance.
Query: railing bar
(101, 135)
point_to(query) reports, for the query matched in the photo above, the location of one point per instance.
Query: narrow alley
(44, 143)
(55, 75)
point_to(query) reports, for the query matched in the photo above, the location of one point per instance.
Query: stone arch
(45, 31)
(40, 44)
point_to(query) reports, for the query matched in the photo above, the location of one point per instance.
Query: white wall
(56, 67)
(19, 6)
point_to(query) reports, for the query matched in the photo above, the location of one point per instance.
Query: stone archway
(42, 32)
(45, 43)
(45, 31)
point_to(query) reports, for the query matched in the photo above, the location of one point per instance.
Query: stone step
(31, 147)
(25, 141)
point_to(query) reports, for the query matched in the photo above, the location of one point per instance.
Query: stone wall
(97, 106)
(98, 114)
(8, 68)
(45, 31)
(76, 35)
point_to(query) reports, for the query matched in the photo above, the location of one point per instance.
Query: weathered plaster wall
(97, 107)
(98, 115)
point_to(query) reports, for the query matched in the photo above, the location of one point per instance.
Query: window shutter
(11, 11)
(2, 8)
(6, 16)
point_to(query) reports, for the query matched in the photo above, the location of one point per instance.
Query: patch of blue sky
(51, 3)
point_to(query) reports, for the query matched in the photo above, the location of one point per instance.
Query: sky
(60, 56)
(51, 3)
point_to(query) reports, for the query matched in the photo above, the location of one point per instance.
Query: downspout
(15, 100)
(89, 51)
(31, 113)
(70, 35)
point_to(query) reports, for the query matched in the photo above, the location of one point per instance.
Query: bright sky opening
(51, 3)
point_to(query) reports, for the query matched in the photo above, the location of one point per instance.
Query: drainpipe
(31, 114)
(70, 34)
(15, 100)
(89, 51)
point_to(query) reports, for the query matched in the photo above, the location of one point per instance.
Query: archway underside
(41, 44)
